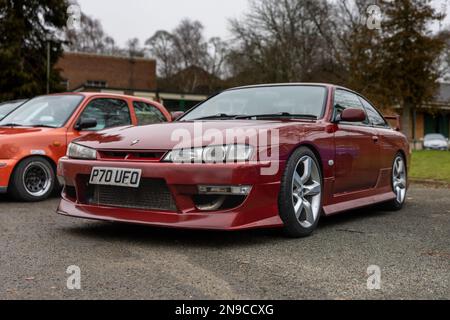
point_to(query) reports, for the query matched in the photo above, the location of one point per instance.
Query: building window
(96, 84)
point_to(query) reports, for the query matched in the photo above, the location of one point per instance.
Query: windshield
(46, 111)
(293, 100)
(434, 137)
(7, 107)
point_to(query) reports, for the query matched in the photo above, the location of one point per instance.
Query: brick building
(121, 75)
(101, 71)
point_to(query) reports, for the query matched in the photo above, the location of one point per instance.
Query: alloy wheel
(37, 179)
(399, 179)
(306, 191)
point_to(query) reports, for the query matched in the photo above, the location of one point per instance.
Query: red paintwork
(355, 115)
(363, 158)
(16, 144)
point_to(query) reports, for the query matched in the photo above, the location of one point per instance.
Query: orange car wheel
(33, 180)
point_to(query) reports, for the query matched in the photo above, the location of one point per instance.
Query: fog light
(225, 190)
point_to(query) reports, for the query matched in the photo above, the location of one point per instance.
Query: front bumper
(260, 208)
(441, 148)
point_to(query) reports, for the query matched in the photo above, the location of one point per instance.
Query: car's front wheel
(300, 199)
(33, 180)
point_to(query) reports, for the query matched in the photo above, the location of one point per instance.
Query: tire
(399, 182)
(300, 198)
(33, 180)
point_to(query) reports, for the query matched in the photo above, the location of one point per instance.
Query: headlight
(213, 154)
(76, 151)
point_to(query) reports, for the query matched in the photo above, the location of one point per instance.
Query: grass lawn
(431, 165)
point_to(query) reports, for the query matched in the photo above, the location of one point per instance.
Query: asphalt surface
(412, 248)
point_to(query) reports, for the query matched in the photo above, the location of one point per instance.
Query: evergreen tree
(25, 28)
(411, 55)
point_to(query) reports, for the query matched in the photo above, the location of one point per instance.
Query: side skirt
(358, 203)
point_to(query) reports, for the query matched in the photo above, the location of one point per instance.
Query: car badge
(134, 142)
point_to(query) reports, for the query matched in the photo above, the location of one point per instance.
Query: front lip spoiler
(3, 189)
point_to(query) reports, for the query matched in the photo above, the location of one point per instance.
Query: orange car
(36, 135)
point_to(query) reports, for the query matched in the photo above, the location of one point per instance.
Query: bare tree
(161, 47)
(134, 49)
(280, 39)
(90, 37)
(186, 48)
(190, 46)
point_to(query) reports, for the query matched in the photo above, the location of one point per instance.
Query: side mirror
(176, 115)
(352, 115)
(88, 123)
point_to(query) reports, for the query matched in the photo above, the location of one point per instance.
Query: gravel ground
(412, 248)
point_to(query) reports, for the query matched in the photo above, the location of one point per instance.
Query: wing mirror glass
(86, 124)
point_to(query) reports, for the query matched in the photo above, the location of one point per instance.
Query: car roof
(93, 94)
(328, 85)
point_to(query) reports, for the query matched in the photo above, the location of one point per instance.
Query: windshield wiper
(277, 115)
(42, 126)
(11, 125)
(217, 116)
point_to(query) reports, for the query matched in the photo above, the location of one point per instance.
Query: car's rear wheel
(399, 183)
(300, 199)
(33, 180)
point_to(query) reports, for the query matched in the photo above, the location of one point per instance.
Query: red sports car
(259, 156)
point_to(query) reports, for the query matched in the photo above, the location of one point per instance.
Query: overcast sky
(125, 19)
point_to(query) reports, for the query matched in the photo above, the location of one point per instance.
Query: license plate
(116, 177)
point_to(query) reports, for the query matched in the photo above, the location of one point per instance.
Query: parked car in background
(35, 135)
(9, 106)
(435, 141)
(331, 151)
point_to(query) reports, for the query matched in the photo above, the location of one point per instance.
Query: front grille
(152, 194)
(131, 155)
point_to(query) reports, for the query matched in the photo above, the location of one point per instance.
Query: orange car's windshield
(8, 107)
(46, 111)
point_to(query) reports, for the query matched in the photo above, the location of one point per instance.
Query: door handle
(375, 139)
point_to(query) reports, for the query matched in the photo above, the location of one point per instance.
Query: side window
(147, 114)
(109, 113)
(374, 116)
(344, 99)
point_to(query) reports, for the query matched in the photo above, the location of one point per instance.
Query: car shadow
(354, 215)
(129, 233)
(174, 237)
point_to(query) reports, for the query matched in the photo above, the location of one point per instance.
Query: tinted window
(109, 113)
(374, 117)
(296, 100)
(147, 114)
(51, 111)
(344, 99)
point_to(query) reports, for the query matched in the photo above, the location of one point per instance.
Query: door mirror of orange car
(176, 115)
(352, 115)
(88, 123)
